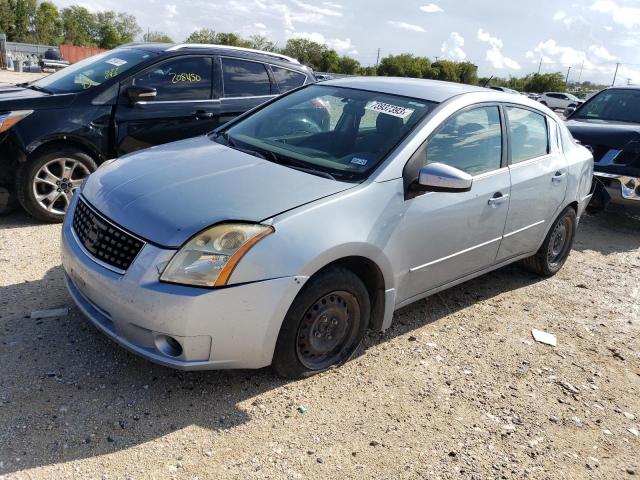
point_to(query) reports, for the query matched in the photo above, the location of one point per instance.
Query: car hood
(615, 145)
(167, 194)
(20, 98)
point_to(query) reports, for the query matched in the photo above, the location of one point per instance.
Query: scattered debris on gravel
(455, 389)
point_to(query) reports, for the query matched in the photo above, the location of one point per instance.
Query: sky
(502, 37)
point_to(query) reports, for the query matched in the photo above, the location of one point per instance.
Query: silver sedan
(281, 237)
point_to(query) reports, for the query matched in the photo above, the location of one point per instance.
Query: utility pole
(378, 58)
(539, 65)
(566, 80)
(581, 67)
(615, 74)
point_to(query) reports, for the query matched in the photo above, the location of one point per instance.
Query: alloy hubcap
(328, 330)
(56, 182)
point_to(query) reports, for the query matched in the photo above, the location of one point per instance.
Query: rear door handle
(557, 178)
(203, 115)
(498, 199)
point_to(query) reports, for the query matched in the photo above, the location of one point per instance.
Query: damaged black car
(609, 125)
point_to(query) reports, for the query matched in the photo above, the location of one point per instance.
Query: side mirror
(569, 111)
(438, 177)
(139, 94)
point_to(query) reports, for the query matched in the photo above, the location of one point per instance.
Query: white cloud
(608, 28)
(172, 10)
(494, 55)
(600, 53)
(332, 5)
(559, 15)
(406, 26)
(260, 26)
(330, 12)
(627, 16)
(452, 47)
(340, 45)
(431, 8)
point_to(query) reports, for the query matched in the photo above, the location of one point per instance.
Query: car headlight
(9, 119)
(208, 259)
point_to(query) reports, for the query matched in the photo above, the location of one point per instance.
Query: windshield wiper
(275, 158)
(37, 88)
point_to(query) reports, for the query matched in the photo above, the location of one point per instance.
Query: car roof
(431, 90)
(248, 53)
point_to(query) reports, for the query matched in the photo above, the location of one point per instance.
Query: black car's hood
(23, 98)
(615, 145)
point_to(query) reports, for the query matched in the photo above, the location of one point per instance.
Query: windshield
(92, 71)
(330, 131)
(571, 96)
(612, 105)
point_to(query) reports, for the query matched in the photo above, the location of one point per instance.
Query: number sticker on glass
(116, 62)
(388, 109)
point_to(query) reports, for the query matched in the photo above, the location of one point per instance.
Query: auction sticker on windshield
(387, 108)
(118, 62)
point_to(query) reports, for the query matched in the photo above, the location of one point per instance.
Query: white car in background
(560, 100)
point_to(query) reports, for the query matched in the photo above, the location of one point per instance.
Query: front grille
(106, 242)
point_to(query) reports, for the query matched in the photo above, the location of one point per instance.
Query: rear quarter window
(287, 79)
(243, 78)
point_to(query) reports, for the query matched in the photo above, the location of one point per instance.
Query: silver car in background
(279, 241)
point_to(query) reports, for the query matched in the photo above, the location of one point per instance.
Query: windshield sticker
(386, 108)
(359, 161)
(185, 78)
(111, 73)
(117, 62)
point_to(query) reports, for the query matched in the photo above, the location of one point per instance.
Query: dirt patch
(7, 77)
(457, 388)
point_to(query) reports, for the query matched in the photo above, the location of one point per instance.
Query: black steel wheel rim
(328, 331)
(559, 242)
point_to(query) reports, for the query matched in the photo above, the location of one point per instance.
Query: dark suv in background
(54, 132)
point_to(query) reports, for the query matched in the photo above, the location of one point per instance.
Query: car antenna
(487, 81)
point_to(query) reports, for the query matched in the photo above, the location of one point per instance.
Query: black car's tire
(556, 247)
(544, 103)
(46, 182)
(324, 326)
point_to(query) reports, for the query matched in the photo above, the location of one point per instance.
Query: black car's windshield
(615, 105)
(335, 132)
(92, 71)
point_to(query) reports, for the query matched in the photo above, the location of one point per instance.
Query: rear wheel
(556, 247)
(46, 183)
(324, 325)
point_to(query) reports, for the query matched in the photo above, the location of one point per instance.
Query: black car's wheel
(556, 246)
(544, 103)
(46, 183)
(324, 325)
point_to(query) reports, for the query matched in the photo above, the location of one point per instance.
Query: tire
(44, 185)
(324, 326)
(556, 247)
(544, 103)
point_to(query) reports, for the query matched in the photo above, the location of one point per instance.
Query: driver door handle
(203, 115)
(498, 199)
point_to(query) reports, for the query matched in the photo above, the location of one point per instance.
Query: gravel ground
(457, 388)
(8, 77)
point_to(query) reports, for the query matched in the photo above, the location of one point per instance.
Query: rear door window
(287, 79)
(242, 78)
(183, 78)
(528, 134)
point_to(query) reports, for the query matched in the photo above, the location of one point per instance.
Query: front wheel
(324, 325)
(46, 183)
(556, 247)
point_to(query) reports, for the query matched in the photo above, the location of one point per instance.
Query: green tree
(308, 52)
(157, 37)
(545, 82)
(79, 26)
(467, 73)
(48, 24)
(7, 18)
(115, 29)
(405, 65)
(24, 14)
(329, 60)
(447, 70)
(204, 35)
(348, 65)
(260, 42)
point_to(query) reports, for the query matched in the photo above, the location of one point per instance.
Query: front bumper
(622, 189)
(233, 327)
